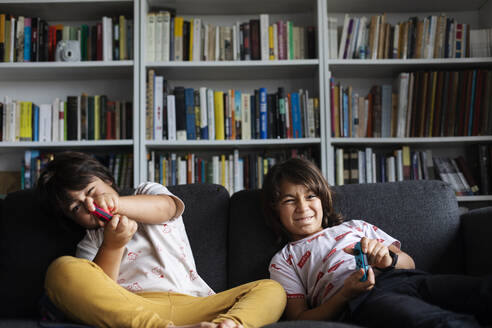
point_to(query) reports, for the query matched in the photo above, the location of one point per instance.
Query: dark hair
(69, 171)
(297, 171)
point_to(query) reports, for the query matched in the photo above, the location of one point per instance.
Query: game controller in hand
(101, 214)
(361, 260)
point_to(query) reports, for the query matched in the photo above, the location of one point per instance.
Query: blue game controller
(361, 260)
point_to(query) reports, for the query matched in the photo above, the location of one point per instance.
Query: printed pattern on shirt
(316, 267)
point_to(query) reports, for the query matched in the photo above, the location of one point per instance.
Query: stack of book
(32, 39)
(466, 177)
(207, 114)
(120, 165)
(173, 38)
(422, 104)
(81, 117)
(375, 38)
(233, 171)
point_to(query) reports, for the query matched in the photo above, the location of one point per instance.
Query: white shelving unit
(41, 82)
(362, 74)
(241, 75)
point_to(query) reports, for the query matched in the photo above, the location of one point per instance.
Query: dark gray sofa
(232, 245)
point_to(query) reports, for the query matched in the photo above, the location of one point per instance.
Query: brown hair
(69, 171)
(297, 171)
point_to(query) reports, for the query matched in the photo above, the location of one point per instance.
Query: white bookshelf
(362, 74)
(241, 75)
(41, 82)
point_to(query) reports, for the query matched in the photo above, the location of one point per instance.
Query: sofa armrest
(477, 225)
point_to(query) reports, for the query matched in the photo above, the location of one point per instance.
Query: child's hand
(377, 254)
(119, 231)
(106, 201)
(353, 287)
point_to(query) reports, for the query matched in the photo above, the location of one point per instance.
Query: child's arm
(378, 255)
(297, 309)
(151, 209)
(117, 233)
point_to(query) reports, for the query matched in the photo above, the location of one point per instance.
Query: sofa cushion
(29, 240)
(423, 215)
(206, 221)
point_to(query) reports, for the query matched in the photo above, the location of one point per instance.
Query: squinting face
(77, 209)
(300, 210)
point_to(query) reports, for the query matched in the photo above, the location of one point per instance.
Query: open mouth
(305, 218)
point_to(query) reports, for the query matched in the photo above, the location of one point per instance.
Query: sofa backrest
(423, 215)
(30, 240)
(206, 218)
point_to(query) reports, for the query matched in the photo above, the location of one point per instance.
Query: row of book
(173, 38)
(375, 38)
(421, 104)
(32, 39)
(207, 114)
(467, 175)
(234, 171)
(119, 164)
(81, 117)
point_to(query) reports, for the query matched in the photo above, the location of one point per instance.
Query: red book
(51, 42)
(99, 42)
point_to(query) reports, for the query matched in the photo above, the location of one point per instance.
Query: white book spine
(237, 41)
(246, 116)
(166, 36)
(373, 164)
(203, 108)
(343, 39)
(339, 167)
(158, 85)
(234, 42)
(275, 42)
(183, 170)
(399, 165)
(171, 117)
(197, 39)
(241, 174)
(45, 122)
(206, 33)
(362, 166)
(217, 43)
(390, 169)
(159, 36)
(230, 174)
(402, 104)
(12, 39)
(211, 114)
(264, 46)
(369, 176)
(215, 170)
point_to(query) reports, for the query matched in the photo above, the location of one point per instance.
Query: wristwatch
(394, 259)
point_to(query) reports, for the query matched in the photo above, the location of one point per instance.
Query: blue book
(296, 115)
(27, 39)
(35, 121)
(238, 113)
(190, 114)
(345, 115)
(263, 114)
(252, 103)
(173, 169)
(34, 168)
(472, 103)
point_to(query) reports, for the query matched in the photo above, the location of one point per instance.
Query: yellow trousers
(82, 290)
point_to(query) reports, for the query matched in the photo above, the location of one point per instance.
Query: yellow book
(271, 43)
(219, 115)
(97, 117)
(163, 171)
(123, 55)
(2, 31)
(29, 126)
(178, 38)
(406, 162)
(222, 170)
(190, 50)
(23, 121)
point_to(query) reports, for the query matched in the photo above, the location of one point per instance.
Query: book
(181, 131)
(190, 114)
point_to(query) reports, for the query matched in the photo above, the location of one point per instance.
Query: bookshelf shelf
(66, 144)
(380, 68)
(238, 70)
(484, 198)
(389, 6)
(216, 144)
(437, 141)
(60, 70)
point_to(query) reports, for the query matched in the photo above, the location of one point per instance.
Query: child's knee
(65, 271)
(274, 288)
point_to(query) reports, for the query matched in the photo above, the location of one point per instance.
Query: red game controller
(102, 214)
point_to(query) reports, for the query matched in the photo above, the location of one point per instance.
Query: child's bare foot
(228, 323)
